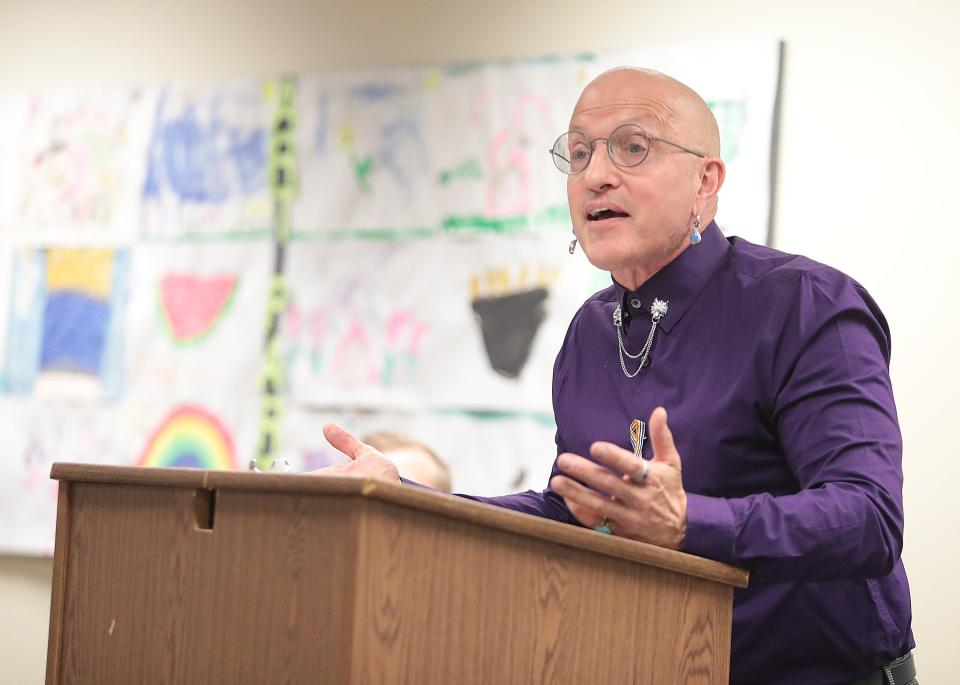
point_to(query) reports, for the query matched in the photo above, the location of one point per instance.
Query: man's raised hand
(364, 459)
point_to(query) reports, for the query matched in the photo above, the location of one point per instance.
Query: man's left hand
(652, 510)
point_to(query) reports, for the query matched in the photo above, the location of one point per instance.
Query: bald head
(675, 108)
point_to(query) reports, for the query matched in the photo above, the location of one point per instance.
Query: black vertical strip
(273, 324)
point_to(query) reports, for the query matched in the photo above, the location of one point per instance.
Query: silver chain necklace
(657, 310)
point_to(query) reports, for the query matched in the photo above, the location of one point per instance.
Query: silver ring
(644, 472)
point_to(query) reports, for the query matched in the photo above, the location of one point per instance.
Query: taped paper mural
(75, 168)
(207, 163)
(201, 276)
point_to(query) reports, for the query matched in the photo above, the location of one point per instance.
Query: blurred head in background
(414, 460)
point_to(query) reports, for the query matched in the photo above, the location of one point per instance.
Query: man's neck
(632, 277)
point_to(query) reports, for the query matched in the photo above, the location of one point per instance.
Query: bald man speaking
(781, 452)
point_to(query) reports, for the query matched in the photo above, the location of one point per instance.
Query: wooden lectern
(201, 577)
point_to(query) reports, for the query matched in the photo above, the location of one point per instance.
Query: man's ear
(711, 179)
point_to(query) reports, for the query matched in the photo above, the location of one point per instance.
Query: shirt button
(635, 303)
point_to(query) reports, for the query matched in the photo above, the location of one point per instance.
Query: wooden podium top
(411, 497)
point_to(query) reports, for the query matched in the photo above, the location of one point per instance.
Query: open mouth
(604, 214)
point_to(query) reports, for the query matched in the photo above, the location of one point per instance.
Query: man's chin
(603, 258)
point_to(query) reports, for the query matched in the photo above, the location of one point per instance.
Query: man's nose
(601, 172)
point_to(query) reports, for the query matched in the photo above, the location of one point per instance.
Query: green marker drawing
(556, 217)
(558, 214)
(471, 169)
(361, 170)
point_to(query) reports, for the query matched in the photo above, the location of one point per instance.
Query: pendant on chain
(658, 310)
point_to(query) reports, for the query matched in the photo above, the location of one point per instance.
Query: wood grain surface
(512, 609)
(415, 498)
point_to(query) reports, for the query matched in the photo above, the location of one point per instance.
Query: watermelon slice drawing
(193, 305)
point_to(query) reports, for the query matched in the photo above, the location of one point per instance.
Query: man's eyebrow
(649, 125)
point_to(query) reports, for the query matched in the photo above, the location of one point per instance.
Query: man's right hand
(364, 459)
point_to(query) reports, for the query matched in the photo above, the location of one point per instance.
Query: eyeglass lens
(628, 146)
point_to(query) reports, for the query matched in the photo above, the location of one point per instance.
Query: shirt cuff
(711, 528)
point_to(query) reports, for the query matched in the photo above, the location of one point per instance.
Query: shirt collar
(680, 282)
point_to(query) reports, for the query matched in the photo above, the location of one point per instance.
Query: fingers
(616, 458)
(595, 475)
(664, 450)
(344, 441)
(588, 506)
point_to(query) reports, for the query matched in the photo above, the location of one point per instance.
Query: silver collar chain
(657, 311)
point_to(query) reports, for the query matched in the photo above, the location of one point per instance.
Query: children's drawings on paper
(394, 156)
(192, 305)
(66, 330)
(509, 309)
(37, 458)
(413, 156)
(352, 342)
(190, 436)
(468, 170)
(511, 152)
(34, 434)
(77, 163)
(207, 164)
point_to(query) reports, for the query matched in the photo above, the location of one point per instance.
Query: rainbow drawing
(190, 437)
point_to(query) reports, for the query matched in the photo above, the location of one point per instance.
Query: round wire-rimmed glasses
(628, 145)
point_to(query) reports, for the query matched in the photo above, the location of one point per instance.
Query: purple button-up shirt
(774, 371)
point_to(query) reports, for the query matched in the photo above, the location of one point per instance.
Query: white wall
(25, 597)
(870, 136)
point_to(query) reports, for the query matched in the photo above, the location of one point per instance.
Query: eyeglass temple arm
(680, 147)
